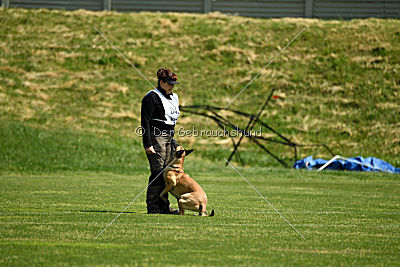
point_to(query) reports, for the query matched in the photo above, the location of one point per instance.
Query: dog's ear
(187, 152)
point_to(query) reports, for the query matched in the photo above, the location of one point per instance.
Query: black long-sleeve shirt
(152, 108)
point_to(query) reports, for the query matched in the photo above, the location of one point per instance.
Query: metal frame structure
(211, 112)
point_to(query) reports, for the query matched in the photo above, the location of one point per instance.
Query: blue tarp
(339, 164)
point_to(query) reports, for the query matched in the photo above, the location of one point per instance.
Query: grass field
(70, 160)
(347, 219)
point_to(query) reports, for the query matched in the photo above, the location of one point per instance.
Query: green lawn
(70, 160)
(347, 219)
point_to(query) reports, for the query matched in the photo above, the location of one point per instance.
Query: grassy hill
(69, 102)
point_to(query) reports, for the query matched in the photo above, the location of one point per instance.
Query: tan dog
(187, 191)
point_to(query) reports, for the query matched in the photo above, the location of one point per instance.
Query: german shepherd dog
(187, 191)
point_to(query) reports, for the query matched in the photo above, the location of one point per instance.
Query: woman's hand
(150, 150)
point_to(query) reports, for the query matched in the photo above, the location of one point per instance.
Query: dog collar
(173, 167)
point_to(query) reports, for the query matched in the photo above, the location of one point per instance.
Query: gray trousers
(165, 147)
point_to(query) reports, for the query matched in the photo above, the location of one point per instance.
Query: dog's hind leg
(202, 210)
(188, 201)
(203, 204)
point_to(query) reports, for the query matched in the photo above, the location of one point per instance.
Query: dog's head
(181, 152)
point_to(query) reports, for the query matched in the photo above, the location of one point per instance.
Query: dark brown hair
(166, 75)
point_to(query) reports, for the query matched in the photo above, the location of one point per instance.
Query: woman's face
(167, 87)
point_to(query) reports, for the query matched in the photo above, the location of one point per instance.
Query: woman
(160, 112)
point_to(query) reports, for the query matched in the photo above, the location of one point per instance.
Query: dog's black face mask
(180, 152)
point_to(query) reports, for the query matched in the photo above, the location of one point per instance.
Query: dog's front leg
(163, 197)
(164, 193)
(170, 183)
(181, 210)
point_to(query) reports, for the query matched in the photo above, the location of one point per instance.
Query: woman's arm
(146, 112)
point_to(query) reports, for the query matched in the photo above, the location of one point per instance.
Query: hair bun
(166, 74)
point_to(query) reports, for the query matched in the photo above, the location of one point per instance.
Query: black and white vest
(171, 107)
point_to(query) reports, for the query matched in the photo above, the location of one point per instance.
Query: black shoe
(173, 212)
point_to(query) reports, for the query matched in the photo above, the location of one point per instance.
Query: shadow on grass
(106, 211)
